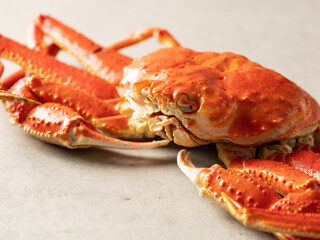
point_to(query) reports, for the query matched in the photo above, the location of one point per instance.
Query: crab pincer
(255, 203)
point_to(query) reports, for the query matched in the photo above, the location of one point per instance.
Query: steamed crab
(266, 127)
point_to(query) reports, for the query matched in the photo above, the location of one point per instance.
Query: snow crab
(266, 127)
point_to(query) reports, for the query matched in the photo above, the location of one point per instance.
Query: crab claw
(58, 124)
(281, 218)
(211, 182)
(253, 202)
(53, 70)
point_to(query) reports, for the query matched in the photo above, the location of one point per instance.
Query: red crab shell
(238, 101)
(186, 96)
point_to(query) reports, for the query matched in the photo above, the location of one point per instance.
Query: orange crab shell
(237, 100)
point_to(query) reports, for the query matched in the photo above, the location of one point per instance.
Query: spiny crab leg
(305, 158)
(104, 63)
(282, 177)
(53, 70)
(34, 39)
(7, 82)
(80, 101)
(87, 95)
(102, 113)
(253, 202)
(6, 96)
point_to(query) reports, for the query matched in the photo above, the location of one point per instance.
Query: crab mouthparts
(169, 127)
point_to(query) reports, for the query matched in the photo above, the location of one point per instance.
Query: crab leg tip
(186, 165)
(181, 159)
(142, 145)
(108, 142)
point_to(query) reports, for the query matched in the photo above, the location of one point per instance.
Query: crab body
(265, 126)
(217, 97)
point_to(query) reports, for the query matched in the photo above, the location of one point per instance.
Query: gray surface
(54, 193)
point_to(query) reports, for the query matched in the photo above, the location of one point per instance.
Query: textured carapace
(220, 96)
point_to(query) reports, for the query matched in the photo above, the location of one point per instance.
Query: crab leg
(305, 158)
(305, 161)
(104, 62)
(253, 202)
(34, 39)
(7, 82)
(53, 70)
(295, 169)
(282, 177)
(293, 176)
(89, 105)
(101, 113)
(212, 181)
(85, 104)
(162, 35)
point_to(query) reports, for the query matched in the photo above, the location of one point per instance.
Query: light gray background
(48, 192)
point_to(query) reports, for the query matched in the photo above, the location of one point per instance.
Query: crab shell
(195, 98)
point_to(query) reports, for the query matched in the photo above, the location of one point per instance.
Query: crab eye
(186, 104)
